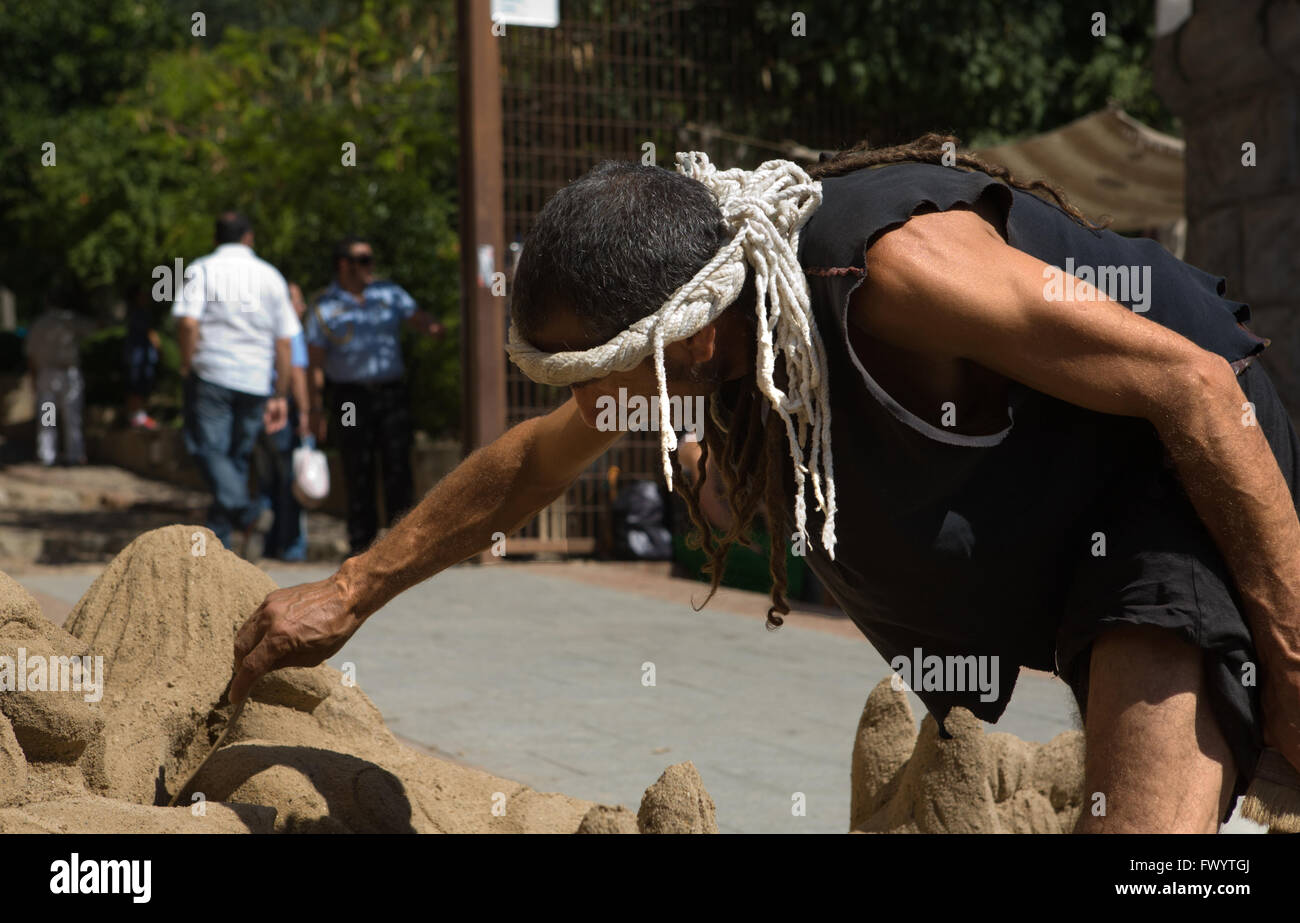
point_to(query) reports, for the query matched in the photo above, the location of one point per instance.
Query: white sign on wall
(545, 13)
(1170, 14)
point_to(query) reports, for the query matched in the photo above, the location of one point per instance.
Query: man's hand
(1279, 694)
(300, 626)
(276, 415)
(317, 424)
(187, 337)
(422, 322)
(498, 488)
(1227, 467)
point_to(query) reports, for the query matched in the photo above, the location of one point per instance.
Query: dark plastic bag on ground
(639, 529)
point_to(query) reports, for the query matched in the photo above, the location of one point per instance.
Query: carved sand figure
(974, 783)
(309, 753)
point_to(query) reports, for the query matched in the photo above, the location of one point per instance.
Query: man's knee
(1155, 752)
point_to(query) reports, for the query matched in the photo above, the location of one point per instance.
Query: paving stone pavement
(540, 679)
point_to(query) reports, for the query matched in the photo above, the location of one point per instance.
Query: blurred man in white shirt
(235, 322)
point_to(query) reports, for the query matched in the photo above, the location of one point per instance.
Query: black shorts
(1163, 568)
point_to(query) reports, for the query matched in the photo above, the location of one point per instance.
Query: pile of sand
(677, 803)
(51, 743)
(309, 754)
(973, 783)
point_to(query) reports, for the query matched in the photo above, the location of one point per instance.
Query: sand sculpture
(903, 782)
(677, 803)
(310, 754)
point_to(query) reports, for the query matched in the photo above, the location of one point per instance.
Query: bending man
(996, 431)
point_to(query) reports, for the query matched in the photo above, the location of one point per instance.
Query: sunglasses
(365, 259)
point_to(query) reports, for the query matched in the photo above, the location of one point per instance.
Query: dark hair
(930, 148)
(612, 246)
(343, 249)
(231, 227)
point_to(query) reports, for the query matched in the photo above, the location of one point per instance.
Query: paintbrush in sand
(234, 716)
(1273, 798)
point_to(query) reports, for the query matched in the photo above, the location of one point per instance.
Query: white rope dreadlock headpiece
(765, 209)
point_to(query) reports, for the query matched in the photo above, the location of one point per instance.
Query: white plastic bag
(311, 474)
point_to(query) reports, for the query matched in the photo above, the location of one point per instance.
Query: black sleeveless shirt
(963, 544)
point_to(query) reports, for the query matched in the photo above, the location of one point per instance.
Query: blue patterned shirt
(362, 340)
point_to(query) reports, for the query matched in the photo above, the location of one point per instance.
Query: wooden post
(482, 228)
(482, 231)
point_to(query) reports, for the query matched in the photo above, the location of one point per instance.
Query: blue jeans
(221, 426)
(287, 539)
(141, 361)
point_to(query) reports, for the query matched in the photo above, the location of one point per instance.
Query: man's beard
(694, 376)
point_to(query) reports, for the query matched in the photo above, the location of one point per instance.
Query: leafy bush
(104, 369)
(433, 369)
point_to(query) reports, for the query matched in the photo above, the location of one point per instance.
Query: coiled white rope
(765, 209)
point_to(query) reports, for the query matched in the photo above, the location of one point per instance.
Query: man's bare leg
(1154, 748)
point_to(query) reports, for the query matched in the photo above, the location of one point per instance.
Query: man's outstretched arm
(496, 489)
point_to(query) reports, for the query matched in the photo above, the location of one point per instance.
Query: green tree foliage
(255, 120)
(61, 61)
(988, 70)
(158, 129)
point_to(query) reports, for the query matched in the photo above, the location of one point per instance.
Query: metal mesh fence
(609, 79)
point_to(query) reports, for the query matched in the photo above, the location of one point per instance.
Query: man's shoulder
(241, 256)
(267, 267)
(902, 184)
(860, 206)
(204, 259)
(47, 318)
(331, 300)
(386, 290)
(920, 171)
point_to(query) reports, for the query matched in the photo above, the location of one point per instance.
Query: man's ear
(703, 345)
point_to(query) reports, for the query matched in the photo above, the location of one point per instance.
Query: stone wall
(161, 455)
(1232, 74)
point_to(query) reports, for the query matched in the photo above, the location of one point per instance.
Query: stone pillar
(1231, 72)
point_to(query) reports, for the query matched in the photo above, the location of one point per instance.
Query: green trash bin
(745, 569)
